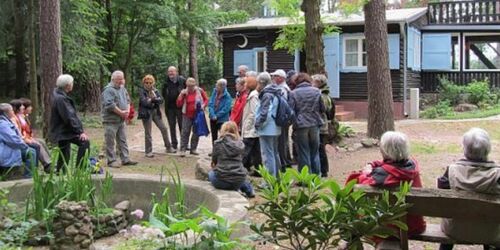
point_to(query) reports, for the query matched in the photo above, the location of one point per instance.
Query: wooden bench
(443, 204)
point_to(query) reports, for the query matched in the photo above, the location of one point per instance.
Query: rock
(201, 170)
(123, 206)
(71, 230)
(355, 147)
(464, 107)
(67, 216)
(79, 238)
(86, 230)
(86, 243)
(117, 213)
(369, 142)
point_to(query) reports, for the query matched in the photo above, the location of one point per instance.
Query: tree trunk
(50, 53)
(21, 69)
(92, 96)
(315, 60)
(193, 48)
(380, 113)
(32, 56)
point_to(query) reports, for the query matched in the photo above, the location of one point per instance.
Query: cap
(279, 72)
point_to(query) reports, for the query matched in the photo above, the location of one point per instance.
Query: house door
(331, 52)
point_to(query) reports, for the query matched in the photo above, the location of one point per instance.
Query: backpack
(333, 124)
(284, 113)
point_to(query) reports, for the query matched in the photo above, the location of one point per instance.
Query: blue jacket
(224, 108)
(305, 100)
(11, 144)
(267, 108)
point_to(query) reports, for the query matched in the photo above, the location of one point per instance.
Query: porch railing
(464, 12)
(430, 80)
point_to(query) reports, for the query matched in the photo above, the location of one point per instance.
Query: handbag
(200, 122)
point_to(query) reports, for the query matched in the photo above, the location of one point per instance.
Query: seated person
(396, 167)
(476, 174)
(228, 171)
(13, 151)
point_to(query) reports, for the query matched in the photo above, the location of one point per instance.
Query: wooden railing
(430, 80)
(464, 12)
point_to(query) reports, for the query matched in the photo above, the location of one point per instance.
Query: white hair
(64, 80)
(5, 108)
(116, 73)
(172, 67)
(320, 78)
(243, 67)
(394, 146)
(251, 73)
(222, 82)
(477, 145)
(264, 79)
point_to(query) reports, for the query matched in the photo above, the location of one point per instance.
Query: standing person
(115, 110)
(242, 71)
(228, 171)
(190, 99)
(239, 103)
(149, 112)
(305, 100)
(65, 127)
(475, 173)
(252, 155)
(320, 82)
(265, 123)
(171, 89)
(219, 107)
(279, 78)
(13, 151)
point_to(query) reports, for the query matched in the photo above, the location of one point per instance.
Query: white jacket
(248, 120)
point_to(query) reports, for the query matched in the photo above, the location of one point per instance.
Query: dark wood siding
(353, 86)
(430, 80)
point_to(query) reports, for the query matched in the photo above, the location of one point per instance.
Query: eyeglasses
(148, 82)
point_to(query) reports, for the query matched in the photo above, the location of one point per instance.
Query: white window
(481, 52)
(261, 62)
(354, 52)
(455, 51)
(416, 51)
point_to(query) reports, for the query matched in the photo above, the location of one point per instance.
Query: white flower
(137, 213)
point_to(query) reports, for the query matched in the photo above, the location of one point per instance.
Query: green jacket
(327, 102)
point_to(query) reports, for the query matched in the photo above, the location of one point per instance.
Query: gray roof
(392, 16)
(455, 27)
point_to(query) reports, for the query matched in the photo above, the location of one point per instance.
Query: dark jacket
(305, 100)
(171, 90)
(228, 156)
(146, 108)
(264, 121)
(64, 121)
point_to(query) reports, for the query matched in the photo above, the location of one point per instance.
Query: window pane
(364, 45)
(364, 59)
(351, 45)
(455, 53)
(261, 61)
(351, 60)
(482, 52)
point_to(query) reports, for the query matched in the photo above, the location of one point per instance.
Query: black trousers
(214, 129)
(65, 147)
(174, 115)
(284, 149)
(323, 158)
(252, 156)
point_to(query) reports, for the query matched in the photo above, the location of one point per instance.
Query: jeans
(307, 140)
(174, 115)
(65, 147)
(112, 132)
(214, 129)
(188, 130)
(284, 149)
(252, 155)
(245, 187)
(323, 158)
(29, 157)
(270, 153)
(147, 123)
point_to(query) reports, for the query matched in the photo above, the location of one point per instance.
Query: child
(228, 172)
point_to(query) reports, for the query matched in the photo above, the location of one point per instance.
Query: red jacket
(188, 102)
(391, 174)
(239, 104)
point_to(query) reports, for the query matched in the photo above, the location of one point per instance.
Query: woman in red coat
(396, 167)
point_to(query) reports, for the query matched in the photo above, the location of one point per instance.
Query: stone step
(339, 108)
(344, 116)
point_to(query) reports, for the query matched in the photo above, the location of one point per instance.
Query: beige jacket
(480, 177)
(248, 120)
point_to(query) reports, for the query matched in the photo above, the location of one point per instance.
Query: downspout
(402, 27)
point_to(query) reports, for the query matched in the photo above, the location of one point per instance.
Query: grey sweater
(112, 97)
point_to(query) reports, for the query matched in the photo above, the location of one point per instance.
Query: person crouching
(228, 172)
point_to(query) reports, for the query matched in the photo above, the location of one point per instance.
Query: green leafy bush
(320, 214)
(449, 91)
(478, 91)
(443, 108)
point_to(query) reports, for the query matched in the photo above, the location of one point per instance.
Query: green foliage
(449, 91)
(319, 214)
(479, 92)
(443, 108)
(344, 131)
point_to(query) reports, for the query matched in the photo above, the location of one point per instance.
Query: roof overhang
(473, 27)
(392, 16)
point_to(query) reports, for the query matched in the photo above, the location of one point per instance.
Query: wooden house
(459, 40)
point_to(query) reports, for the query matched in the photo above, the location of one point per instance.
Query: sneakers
(193, 152)
(150, 155)
(129, 163)
(170, 150)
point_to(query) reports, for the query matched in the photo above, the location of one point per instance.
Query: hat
(279, 72)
